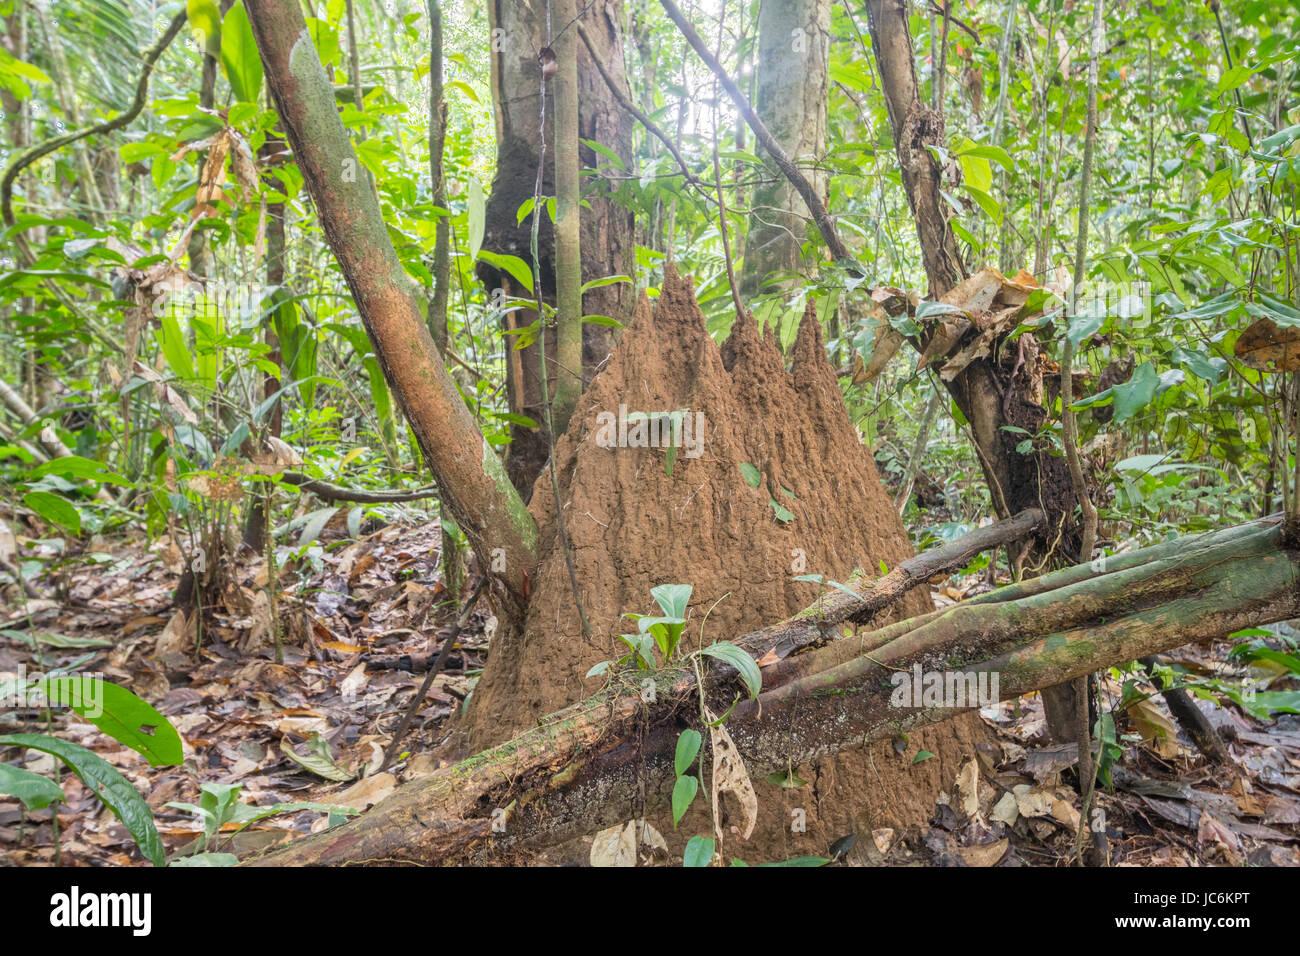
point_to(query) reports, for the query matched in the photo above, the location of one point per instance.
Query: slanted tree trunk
(518, 33)
(394, 312)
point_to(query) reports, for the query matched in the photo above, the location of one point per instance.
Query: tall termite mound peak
(631, 525)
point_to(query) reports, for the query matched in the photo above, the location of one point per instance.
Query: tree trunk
(518, 32)
(452, 554)
(472, 478)
(575, 774)
(568, 195)
(793, 52)
(1000, 396)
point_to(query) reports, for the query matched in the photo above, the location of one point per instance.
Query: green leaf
(476, 213)
(56, 640)
(205, 18)
(74, 466)
(688, 746)
(602, 320)
(106, 783)
(314, 525)
(603, 281)
(699, 851)
(120, 714)
(782, 514)
(175, 349)
(741, 661)
(684, 791)
(790, 780)
(205, 859)
(672, 599)
(54, 509)
(753, 477)
(928, 310)
(922, 755)
(36, 792)
(318, 764)
(987, 203)
(995, 153)
(464, 88)
(239, 55)
(976, 172)
(516, 267)
(1136, 393)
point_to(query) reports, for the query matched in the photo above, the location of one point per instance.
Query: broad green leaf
(995, 153)
(753, 477)
(672, 599)
(516, 267)
(74, 466)
(976, 172)
(741, 661)
(36, 792)
(688, 746)
(205, 18)
(205, 859)
(317, 763)
(1136, 393)
(684, 791)
(477, 220)
(239, 55)
(175, 349)
(54, 509)
(120, 714)
(107, 784)
(699, 851)
(314, 525)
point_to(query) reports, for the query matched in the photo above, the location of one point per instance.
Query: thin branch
(30, 156)
(814, 202)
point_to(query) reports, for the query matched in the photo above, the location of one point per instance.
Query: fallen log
(589, 765)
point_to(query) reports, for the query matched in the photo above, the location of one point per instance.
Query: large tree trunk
(518, 32)
(793, 51)
(576, 772)
(468, 472)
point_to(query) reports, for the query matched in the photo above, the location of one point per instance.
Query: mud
(631, 526)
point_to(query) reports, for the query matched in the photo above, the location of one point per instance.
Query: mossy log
(587, 766)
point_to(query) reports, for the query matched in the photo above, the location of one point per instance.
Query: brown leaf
(730, 775)
(1268, 347)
